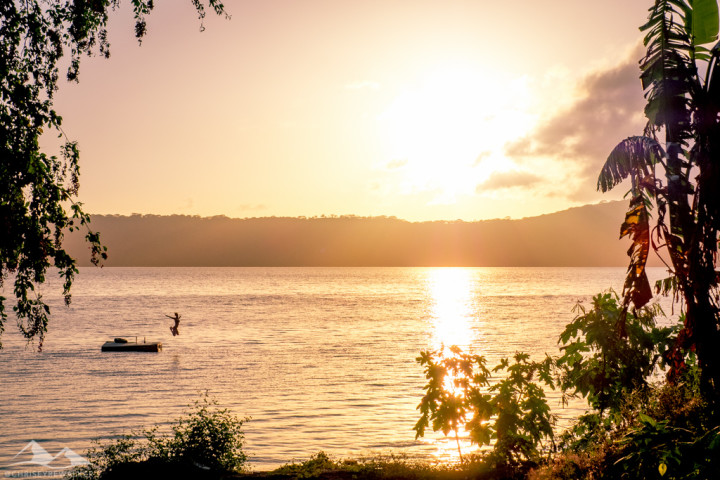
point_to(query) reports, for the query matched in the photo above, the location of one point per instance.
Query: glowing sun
(446, 134)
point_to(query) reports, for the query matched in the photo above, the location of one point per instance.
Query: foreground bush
(512, 414)
(206, 439)
(635, 428)
(667, 433)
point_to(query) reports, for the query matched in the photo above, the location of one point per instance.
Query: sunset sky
(423, 110)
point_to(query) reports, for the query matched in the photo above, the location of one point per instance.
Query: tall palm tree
(681, 79)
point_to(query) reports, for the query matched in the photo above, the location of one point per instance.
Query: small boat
(122, 345)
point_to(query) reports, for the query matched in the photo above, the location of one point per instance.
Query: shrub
(513, 412)
(674, 432)
(609, 353)
(312, 468)
(571, 466)
(385, 467)
(106, 457)
(206, 438)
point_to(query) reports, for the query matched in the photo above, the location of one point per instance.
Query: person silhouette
(174, 328)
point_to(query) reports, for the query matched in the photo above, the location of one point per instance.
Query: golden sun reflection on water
(451, 293)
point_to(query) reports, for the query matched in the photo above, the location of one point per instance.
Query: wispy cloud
(481, 156)
(508, 179)
(395, 164)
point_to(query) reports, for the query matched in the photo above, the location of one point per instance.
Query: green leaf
(704, 25)
(647, 420)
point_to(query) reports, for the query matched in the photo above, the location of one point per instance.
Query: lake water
(320, 358)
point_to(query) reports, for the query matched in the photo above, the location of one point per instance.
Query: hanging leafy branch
(38, 190)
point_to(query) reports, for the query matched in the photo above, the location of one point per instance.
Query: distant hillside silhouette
(582, 236)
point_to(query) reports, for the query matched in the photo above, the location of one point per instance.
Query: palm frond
(668, 74)
(633, 157)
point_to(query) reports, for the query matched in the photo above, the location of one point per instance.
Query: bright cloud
(580, 136)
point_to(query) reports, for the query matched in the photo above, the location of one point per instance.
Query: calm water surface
(320, 358)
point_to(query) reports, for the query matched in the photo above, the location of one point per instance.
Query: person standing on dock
(174, 328)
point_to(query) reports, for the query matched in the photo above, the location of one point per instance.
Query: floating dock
(122, 345)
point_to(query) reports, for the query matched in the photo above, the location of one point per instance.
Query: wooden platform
(131, 347)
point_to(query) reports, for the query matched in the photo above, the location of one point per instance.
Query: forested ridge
(582, 236)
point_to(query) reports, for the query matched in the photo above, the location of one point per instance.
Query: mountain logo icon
(66, 458)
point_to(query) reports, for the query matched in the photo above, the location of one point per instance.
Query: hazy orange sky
(419, 109)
